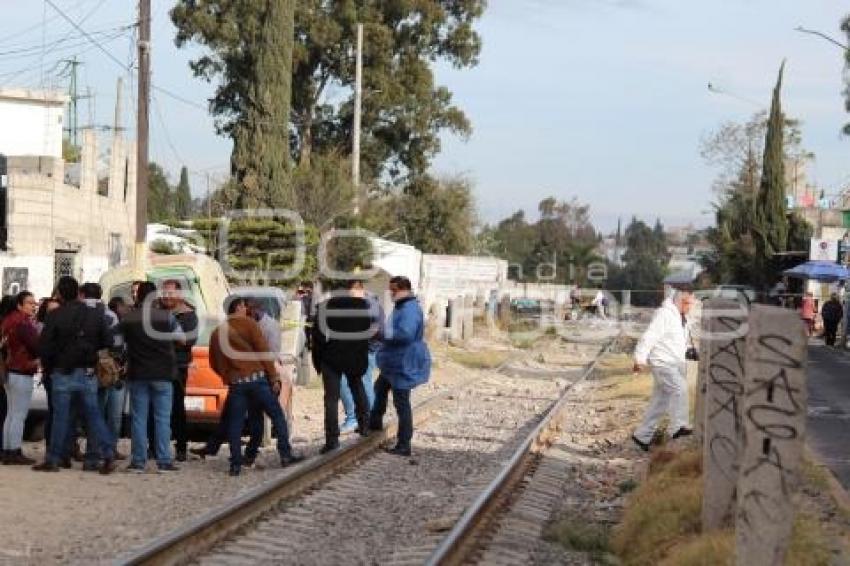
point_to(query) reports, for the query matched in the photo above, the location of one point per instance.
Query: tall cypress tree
(260, 138)
(771, 220)
(183, 196)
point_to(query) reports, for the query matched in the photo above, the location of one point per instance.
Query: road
(828, 425)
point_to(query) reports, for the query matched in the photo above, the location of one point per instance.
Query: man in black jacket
(341, 333)
(832, 313)
(72, 336)
(150, 333)
(173, 300)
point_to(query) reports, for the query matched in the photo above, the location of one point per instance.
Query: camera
(692, 354)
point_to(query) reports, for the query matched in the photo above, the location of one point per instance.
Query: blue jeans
(255, 430)
(348, 400)
(111, 401)
(143, 394)
(64, 386)
(255, 394)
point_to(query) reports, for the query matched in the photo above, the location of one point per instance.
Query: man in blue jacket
(404, 362)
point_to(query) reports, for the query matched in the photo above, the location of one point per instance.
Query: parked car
(734, 292)
(526, 306)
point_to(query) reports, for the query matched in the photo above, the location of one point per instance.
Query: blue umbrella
(819, 271)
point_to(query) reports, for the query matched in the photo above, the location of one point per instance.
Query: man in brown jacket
(241, 356)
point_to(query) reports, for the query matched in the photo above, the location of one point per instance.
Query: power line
(180, 160)
(82, 31)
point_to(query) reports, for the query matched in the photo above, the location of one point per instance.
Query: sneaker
(329, 447)
(135, 469)
(642, 445)
(398, 451)
(684, 431)
(108, 466)
(46, 467)
(348, 427)
(291, 459)
(167, 468)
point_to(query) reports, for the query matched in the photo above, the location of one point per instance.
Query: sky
(602, 100)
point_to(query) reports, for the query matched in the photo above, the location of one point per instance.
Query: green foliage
(562, 238)
(645, 264)
(770, 228)
(70, 153)
(434, 216)
(752, 222)
(160, 196)
(163, 247)
(183, 196)
(404, 111)
(250, 54)
(323, 188)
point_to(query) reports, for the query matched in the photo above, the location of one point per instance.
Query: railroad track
(328, 510)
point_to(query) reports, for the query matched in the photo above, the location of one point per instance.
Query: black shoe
(46, 467)
(167, 468)
(91, 467)
(181, 456)
(234, 472)
(291, 459)
(398, 451)
(65, 463)
(642, 445)
(200, 452)
(329, 447)
(108, 466)
(682, 432)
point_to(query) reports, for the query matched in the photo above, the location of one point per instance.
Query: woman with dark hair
(7, 305)
(21, 338)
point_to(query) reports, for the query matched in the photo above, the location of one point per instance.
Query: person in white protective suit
(663, 347)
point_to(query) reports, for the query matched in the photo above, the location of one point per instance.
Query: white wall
(30, 126)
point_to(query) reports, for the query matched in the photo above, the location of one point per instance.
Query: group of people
(91, 355)
(832, 312)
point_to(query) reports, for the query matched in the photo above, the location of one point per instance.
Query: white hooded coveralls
(663, 347)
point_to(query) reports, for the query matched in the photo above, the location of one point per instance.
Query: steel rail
(186, 542)
(461, 540)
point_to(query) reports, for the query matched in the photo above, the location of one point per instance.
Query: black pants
(829, 331)
(178, 410)
(401, 401)
(330, 381)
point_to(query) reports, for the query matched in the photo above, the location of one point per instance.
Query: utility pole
(119, 90)
(358, 102)
(144, 46)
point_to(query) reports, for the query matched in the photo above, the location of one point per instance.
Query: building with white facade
(81, 227)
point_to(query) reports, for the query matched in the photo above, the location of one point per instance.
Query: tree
(323, 188)
(644, 265)
(437, 217)
(183, 196)
(160, 197)
(404, 111)
(770, 224)
(562, 237)
(250, 52)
